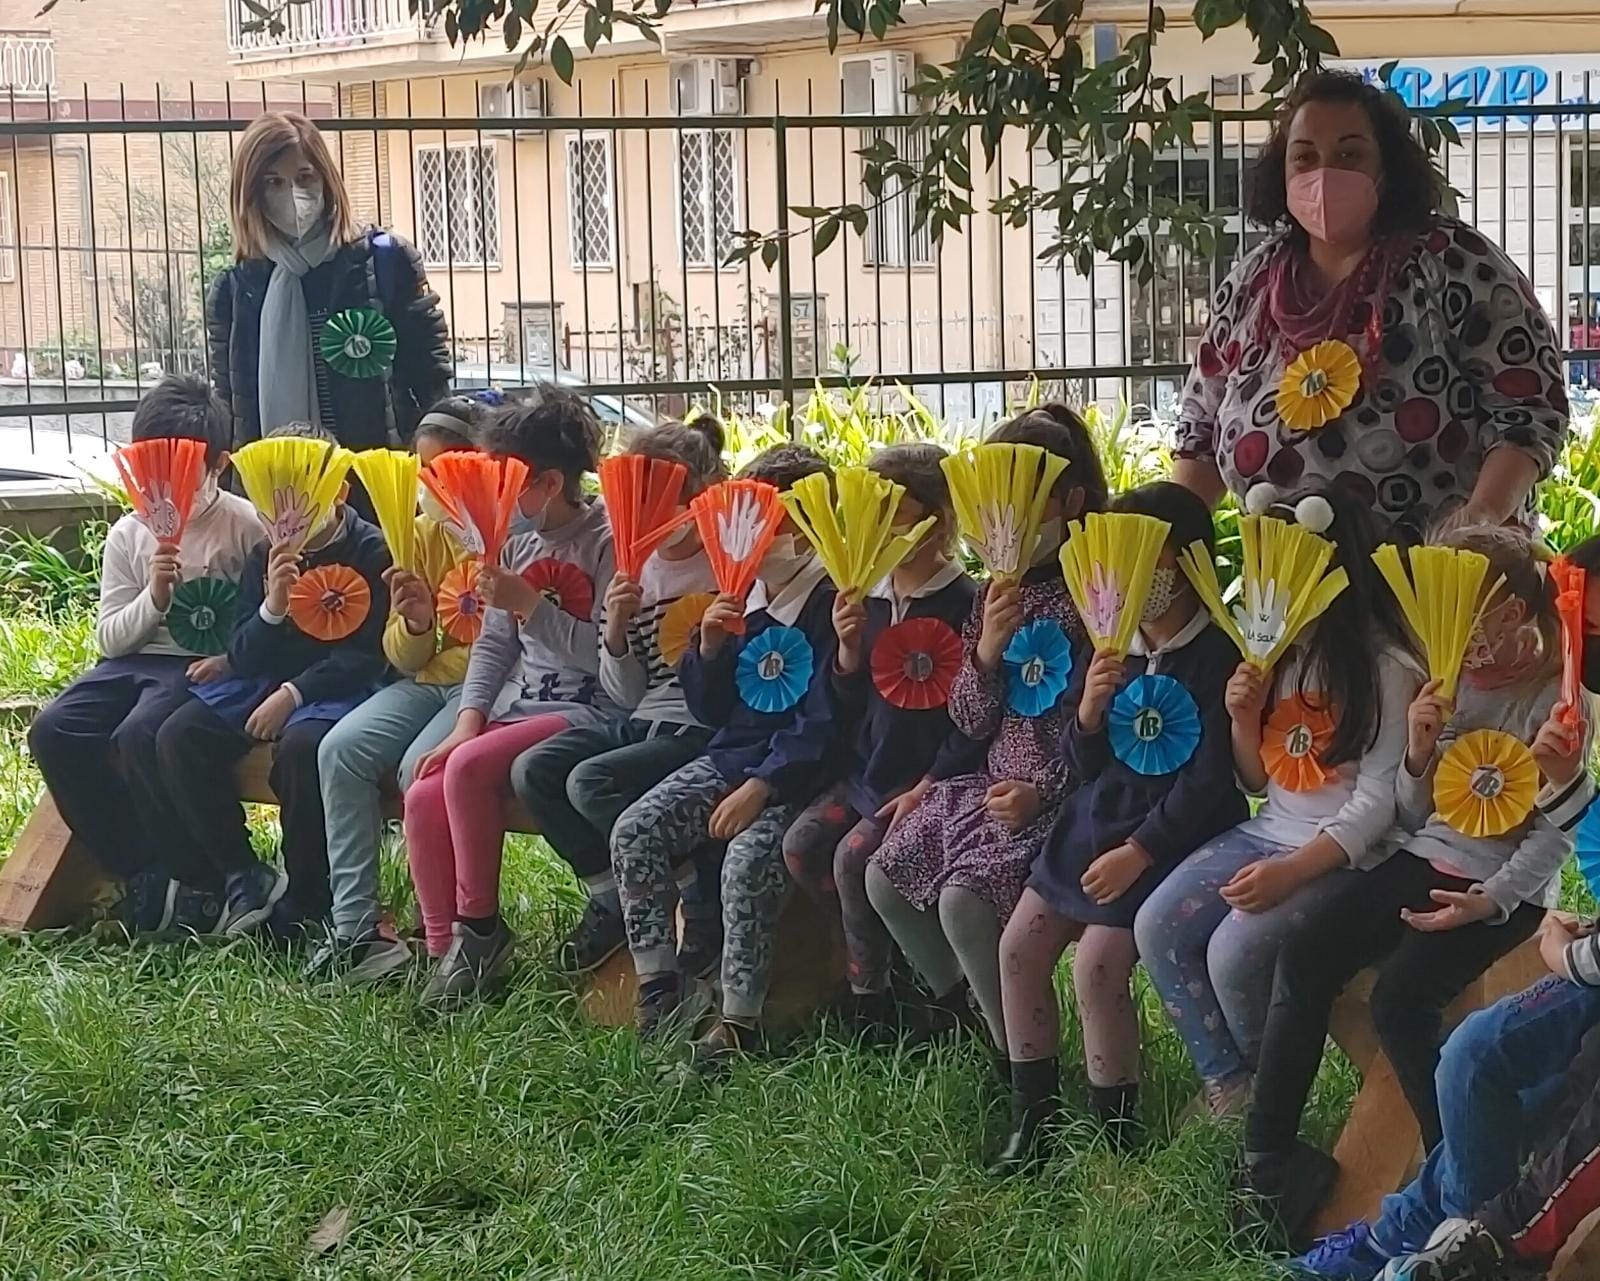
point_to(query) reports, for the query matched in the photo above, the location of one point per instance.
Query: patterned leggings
(664, 830)
(826, 851)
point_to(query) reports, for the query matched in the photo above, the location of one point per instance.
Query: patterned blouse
(1468, 364)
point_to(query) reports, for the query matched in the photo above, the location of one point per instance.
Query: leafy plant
(39, 576)
(1569, 501)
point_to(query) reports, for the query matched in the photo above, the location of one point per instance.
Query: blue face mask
(524, 524)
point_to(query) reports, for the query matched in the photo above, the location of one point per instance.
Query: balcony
(27, 64)
(331, 38)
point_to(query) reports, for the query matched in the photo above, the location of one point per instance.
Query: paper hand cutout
(1002, 538)
(291, 521)
(1262, 618)
(1105, 602)
(741, 527)
(161, 514)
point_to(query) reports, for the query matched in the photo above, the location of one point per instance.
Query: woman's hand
(903, 804)
(1013, 803)
(849, 621)
(1455, 910)
(1246, 697)
(410, 598)
(1112, 874)
(1099, 688)
(739, 808)
(1425, 721)
(1262, 885)
(1002, 616)
(717, 623)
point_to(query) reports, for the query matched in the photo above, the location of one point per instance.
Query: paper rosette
(678, 624)
(1154, 725)
(201, 617)
(359, 343)
(1319, 385)
(999, 492)
(854, 538)
(1571, 584)
(1038, 662)
(329, 602)
(915, 662)
(774, 669)
(563, 584)
(1485, 783)
(1293, 742)
(457, 604)
(294, 482)
(390, 478)
(162, 477)
(1442, 600)
(1108, 560)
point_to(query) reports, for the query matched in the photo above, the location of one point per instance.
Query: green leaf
(827, 232)
(592, 28)
(1320, 42)
(561, 59)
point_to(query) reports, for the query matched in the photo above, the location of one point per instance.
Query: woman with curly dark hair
(1373, 343)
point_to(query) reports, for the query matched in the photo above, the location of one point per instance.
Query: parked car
(519, 383)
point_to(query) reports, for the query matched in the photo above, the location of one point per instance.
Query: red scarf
(1306, 313)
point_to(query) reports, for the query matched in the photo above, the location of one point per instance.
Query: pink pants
(455, 826)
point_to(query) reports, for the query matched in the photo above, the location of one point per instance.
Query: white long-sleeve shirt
(215, 543)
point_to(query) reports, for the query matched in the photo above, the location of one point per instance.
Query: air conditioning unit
(709, 86)
(521, 100)
(878, 84)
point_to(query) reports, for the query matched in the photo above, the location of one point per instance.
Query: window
(891, 240)
(590, 200)
(708, 201)
(458, 205)
(8, 235)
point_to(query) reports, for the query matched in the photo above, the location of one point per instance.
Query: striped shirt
(642, 680)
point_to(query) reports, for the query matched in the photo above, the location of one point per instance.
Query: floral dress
(1467, 363)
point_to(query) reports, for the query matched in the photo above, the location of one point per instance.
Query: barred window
(891, 240)
(458, 205)
(708, 195)
(591, 204)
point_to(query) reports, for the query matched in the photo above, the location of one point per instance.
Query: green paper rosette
(359, 343)
(201, 617)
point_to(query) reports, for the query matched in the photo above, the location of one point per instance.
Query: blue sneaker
(147, 904)
(1347, 1255)
(251, 896)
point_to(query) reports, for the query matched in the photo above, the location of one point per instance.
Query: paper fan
(294, 483)
(390, 478)
(915, 662)
(678, 623)
(1284, 580)
(201, 616)
(563, 584)
(1292, 745)
(457, 604)
(737, 520)
(1571, 584)
(1038, 663)
(329, 602)
(999, 492)
(1154, 725)
(1109, 559)
(359, 343)
(1442, 600)
(854, 538)
(1486, 783)
(774, 669)
(480, 493)
(162, 477)
(642, 503)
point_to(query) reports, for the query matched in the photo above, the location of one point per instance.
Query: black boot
(1035, 1100)
(1116, 1108)
(1288, 1188)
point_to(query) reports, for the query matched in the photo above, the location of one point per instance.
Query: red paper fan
(457, 603)
(738, 520)
(330, 602)
(480, 492)
(914, 663)
(642, 496)
(1571, 584)
(162, 477)
(563, 584)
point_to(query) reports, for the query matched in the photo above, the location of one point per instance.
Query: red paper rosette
(563, 584)
(329, 602)
(914, 663)
(457, 604)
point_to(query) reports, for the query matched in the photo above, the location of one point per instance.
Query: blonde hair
(267, 138)
(1521, 561)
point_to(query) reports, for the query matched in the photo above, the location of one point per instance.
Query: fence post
(780, 136)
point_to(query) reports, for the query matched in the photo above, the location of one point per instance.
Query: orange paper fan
(1292, 743)
(162, 477)
(678, 624)
(1571, 583)
(330, 602)
(479, 491)
(738, 520)
(642, 496)
(457, 603)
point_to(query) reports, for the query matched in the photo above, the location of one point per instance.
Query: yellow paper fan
(854, 538)
(1109, 559)
(1486, 783)
(999, 492)
(1285, 586)
(1442, 600)
(294, 483)
(390, 479)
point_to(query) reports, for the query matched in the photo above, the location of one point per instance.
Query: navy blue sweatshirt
(788, 749)
(1168, 815)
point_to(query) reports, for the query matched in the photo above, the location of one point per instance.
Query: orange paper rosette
(457, 604)
(1292, 743)
(679, 622)
(1486, 783)
(330, 602)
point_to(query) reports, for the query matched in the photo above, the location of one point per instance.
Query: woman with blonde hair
(318, 321)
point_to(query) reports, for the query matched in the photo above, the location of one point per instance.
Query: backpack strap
(381, 247)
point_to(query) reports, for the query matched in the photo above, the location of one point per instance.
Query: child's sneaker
(1460, 1250)
(476, 965)
(1346, 1255)
(250, 898)
(596, 939)
(723, 1044)
(374, 958)
(197, 912)
(700, 948)
(148, 904)
(668, 1005)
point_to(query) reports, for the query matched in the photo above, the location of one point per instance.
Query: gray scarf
(286, 377)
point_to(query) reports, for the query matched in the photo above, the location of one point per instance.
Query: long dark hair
(1059, 430)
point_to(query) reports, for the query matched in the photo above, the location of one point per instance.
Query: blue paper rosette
(774, 669)
(1038, 662)
(1154, 725)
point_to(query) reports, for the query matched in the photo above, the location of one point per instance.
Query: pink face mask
(1333, 205)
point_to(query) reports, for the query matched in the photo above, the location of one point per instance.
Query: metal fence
(586, 245)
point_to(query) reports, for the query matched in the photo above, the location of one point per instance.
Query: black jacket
(378, 270)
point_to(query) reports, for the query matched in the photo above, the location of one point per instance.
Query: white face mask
(294, 210)
(785, 558)
(1163, 592)
(676, 536)
(1049, 543)
(209, 489)
(431, 506)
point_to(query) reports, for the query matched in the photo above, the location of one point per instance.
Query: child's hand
(721, 616)
(267, 721)
(283, 572)
(1112, 874)
(164, 575)
(501, 589)
(205, 670)
(1099, 688)
(1261, 885)
(903, 804)
(410, 598)
(1556, 933)
(433, 760)
(624, 597)
(1558, 749)
(1002, 615)
(1246, 697)
(849, 620)
(1013, 803)
(1455, 910)
(738, 809)
(1425, 721)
